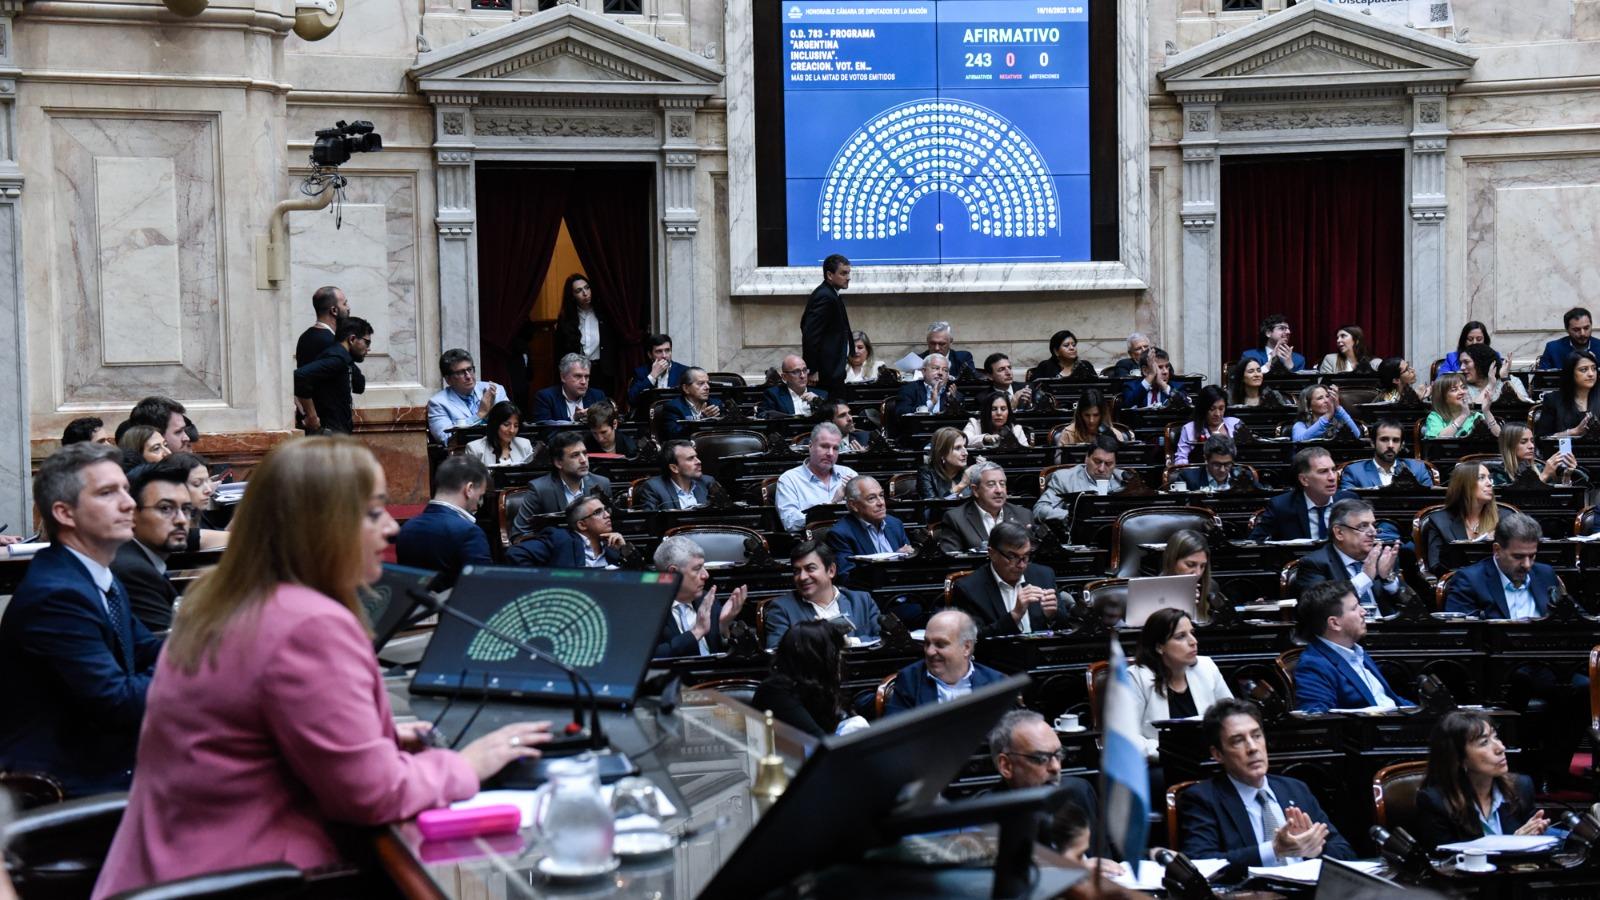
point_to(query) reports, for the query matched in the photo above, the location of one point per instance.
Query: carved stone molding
(681, 230)
(454, 123)
(457, 232)
(1199, 120)
(454, 157)
(501, 125)
(1199, 223)
(1301, 119)
(1430, 113)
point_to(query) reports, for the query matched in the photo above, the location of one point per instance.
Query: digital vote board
(940, 131)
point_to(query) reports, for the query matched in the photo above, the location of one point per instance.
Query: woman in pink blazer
(267, 727)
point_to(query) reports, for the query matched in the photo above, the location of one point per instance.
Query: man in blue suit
(1155, 389)
(1302, 513)
(1352, 554)
(445, 536)
(77, 661)
(816, 597)
(1509, 584)
(868, 528)
(1219, 472)
(1244, 815)
(1577, 322)
(1274, 352)
(1379, 471)
(680, 484)
(794, 396)
(661, 373)
(569, 400)
(1334, 671)
(934, 394)
(962, 366)
(946, 670)
(585, 542)
(693, 403)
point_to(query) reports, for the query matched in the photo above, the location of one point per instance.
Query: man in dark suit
(569, 400)
(868, 528)
(445, 536)
(680, 484)
(1003, 378)
(330, 381)
(1244, 815)
(661, 373)
(946, 670)
(330, 305)
(933, 395)
(1128, 366)
(1353, 554)
(698, 623)
(693, 404)
(1577, 322)
(825, 341)
(552, 493)
(794, 397)
(585, 541)
(163, 511)
(1012, 594)
(77, 661)
(815, 596)
(962, 367)
(1154, 390)
(1334, 671)
(1219, 473)
(1388, 438)
(851, 438)
(1302, 513)
(967, 527)
(1026, 751)
(1509, 584)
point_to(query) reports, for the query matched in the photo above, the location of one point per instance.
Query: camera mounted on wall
(334, 145)
(320, 189)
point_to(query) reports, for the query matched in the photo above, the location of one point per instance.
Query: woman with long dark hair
(1482, 375)
(1470, 512)
(1189, 553)
(1469, 791)
(1171, 679)
(1210, 417)
(501, 446)
(992, 426)
(1091, 418)
(1063, 361)
(1397, 382)
(1247, 386)
(1565, 412)
(1350, 354)
(581, 329)
(803, 689)
(1473, 333)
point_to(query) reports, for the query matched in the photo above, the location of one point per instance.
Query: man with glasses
(868, 528)
(946, 671)
(793, 397)
(1012, 594)
(331, 380)
(1354, 554)
(1219, 472)
(464, 400)
(967, 527)
(1027, 753)
(586, 541)
(161, 516)
(1388, 439)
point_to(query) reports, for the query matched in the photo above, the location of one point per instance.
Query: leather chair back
(1152, 525)
(725, 379)
(507, 504)
(740, 689)
(1287, 660)
(32, 790)
(1108, 598)
(271, 881)
(880, 697)
(1394, 794)
(1173, 793)
(58, 850)
(903, 486)
(721, 543)
(714, 447)
(1096, 677)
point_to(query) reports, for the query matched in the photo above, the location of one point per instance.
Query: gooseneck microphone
(596, 739)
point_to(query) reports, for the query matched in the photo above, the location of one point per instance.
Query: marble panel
(1521, 112)
(350, 250)
(1497, 22)
(14, 360)
(77, 144)
(140, 306)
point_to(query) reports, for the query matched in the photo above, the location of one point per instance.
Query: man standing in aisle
(825, 326)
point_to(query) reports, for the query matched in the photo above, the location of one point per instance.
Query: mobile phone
(1564, 445)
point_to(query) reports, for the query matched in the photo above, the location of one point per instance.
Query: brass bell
(771, 778)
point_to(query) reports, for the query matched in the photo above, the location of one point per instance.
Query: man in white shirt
(698, 624)
(947, 670)
(1098, 470)
(680, 484)
(464, 400)
(1013, 594)
(817, 481)
(934, 395)
(966, 528)
(1353, 554)
(571, 399)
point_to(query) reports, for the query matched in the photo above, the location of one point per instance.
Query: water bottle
(578, 828)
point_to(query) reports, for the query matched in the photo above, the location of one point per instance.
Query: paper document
(1309, 870)
(1147, 876)
(908, 363)
(879, 557)
(24, 551)
(1504, 843)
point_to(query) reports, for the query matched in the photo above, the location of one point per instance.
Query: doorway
(1319, 238)
(538, 225)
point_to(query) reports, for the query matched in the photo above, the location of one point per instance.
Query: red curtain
(519, 219)
(1320, 240)
(608, 216)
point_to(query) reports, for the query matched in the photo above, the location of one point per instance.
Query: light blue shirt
(799, 489)
(686, 499)
(1354, 658)
(880, 541)
(1519, 600)
(591, 558)
(1491, 822)
(948, 692)
(449, 409)
(101, 575)
(1252, 808)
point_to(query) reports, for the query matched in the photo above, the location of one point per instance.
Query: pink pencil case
(447, 824)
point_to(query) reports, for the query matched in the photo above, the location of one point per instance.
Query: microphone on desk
(573, 733)
(1181, 879)
(1400, 849)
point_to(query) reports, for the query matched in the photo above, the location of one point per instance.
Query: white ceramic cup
(1102, 486)
(1473, 861)
(1067, 722)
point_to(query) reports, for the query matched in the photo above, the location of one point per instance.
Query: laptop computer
(388, 603)
(603, 623)
(1146, 595)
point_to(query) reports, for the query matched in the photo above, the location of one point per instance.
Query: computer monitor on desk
(1146, 595)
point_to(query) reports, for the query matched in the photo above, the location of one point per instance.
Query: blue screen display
(940, 131)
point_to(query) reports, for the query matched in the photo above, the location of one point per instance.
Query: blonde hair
(299, 523)
(1437, 394)
(1457, 496)
(1510, 436)
(1181, 545)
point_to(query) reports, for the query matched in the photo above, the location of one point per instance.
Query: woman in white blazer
(1173, 680)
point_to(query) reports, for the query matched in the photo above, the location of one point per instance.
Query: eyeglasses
(599, 510)
(1041, 759)
(166, 509)
(461, 373)
(797, 371)
(1368, 528)
(1017, 559)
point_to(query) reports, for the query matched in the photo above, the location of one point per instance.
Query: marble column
(456, 220)
(694, 336)
(1427, 320)
(1199, 349)
(15, 463)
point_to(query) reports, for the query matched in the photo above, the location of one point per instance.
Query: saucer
(1080, 728)
(636, 844)
(550, 869)
(1488, 867)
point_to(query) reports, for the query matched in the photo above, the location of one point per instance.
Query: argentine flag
(1125, 780)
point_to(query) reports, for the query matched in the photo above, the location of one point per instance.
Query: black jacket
(825, 334)
(1435, 827)
(330, 382)
(150, 594)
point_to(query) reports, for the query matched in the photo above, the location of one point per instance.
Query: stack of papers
(1309, 870)
(1504, 843)
(879, 557)
(908, 363)
(229, 493)
(22, 550)
(1146, 876)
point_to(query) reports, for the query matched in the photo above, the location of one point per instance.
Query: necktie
(119, 628)
(1366, 595)
(1322, 523)
(1271, 816)
(686, 624)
